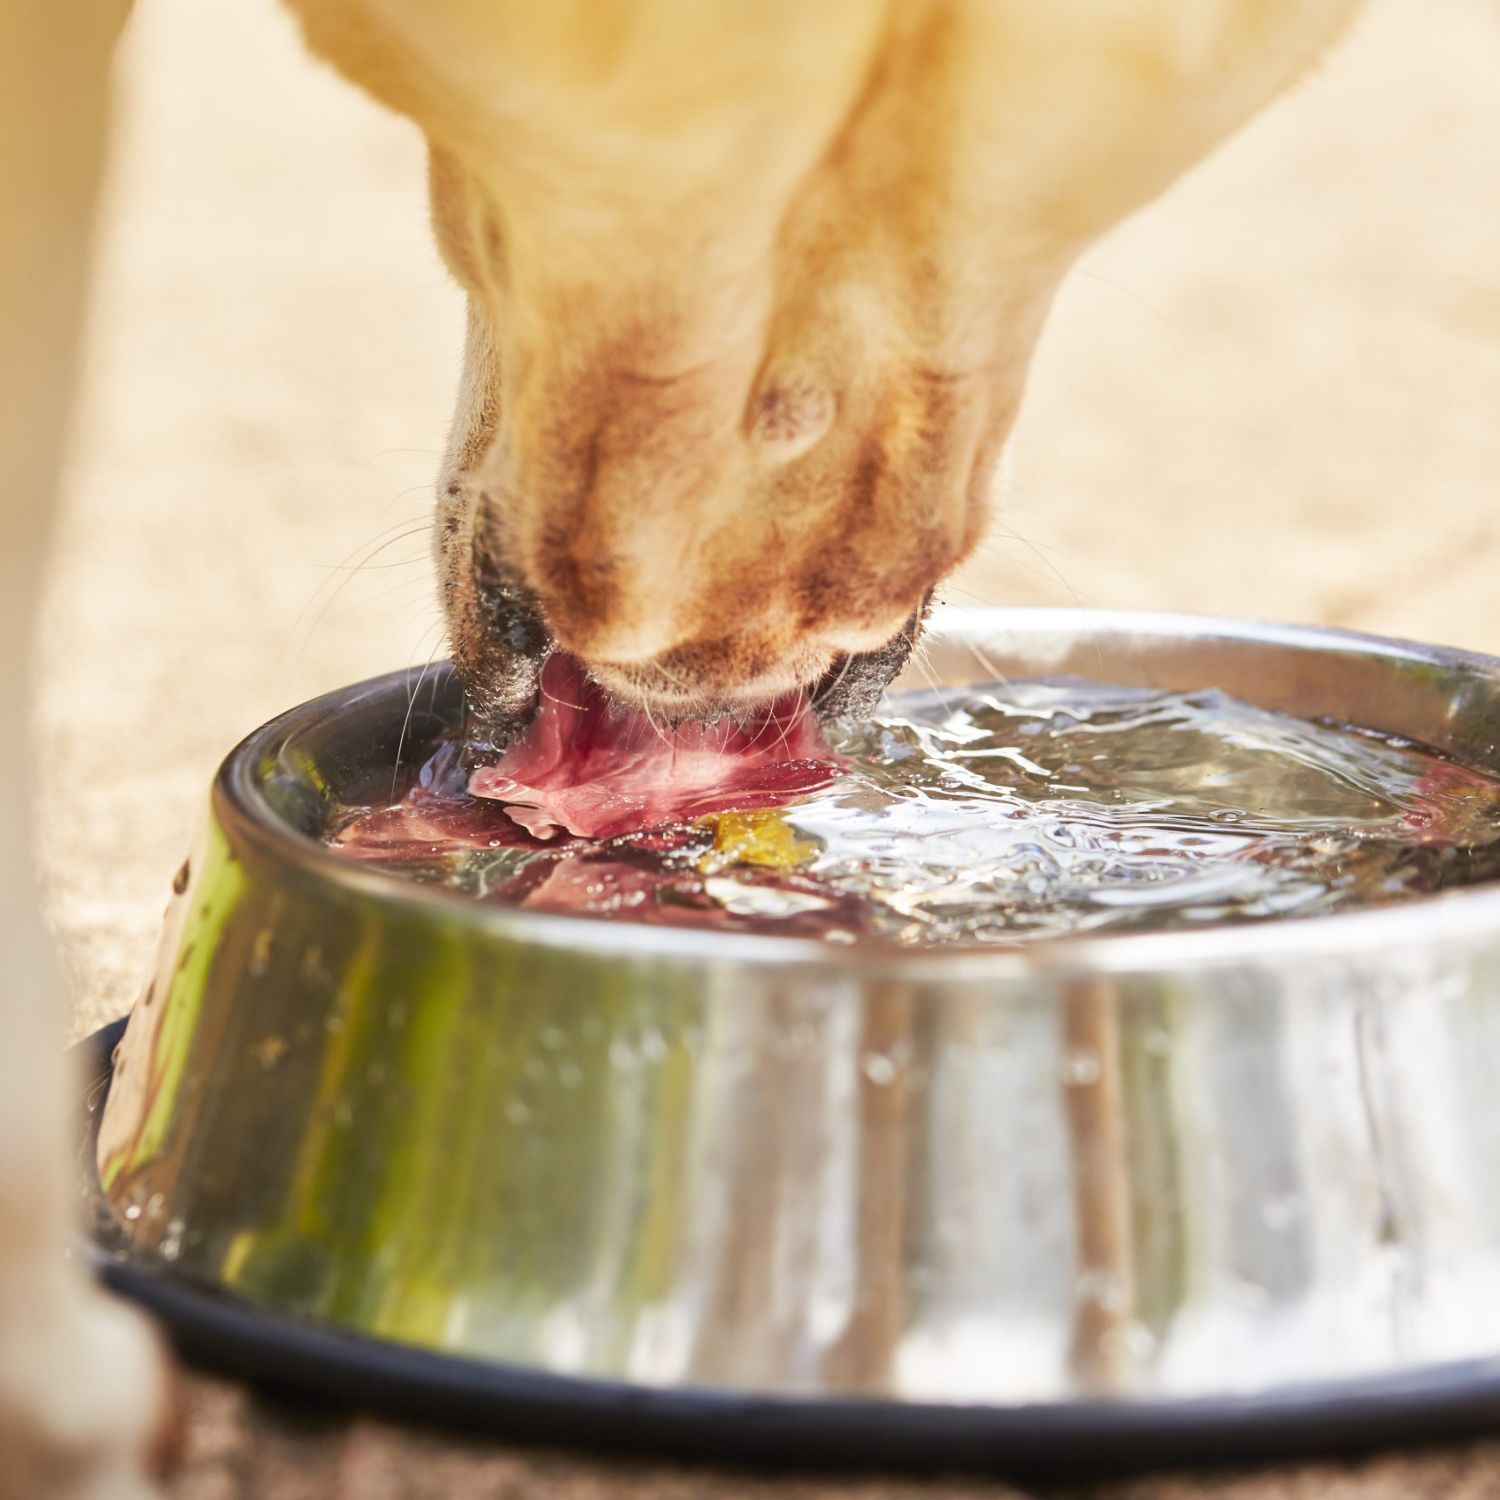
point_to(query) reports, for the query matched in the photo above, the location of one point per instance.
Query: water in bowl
(1012, 812)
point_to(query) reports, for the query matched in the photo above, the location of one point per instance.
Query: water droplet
(1279, 1214)
(1248, 1295)
(1104, 1289)
(262, 950)
(517, 1112)
(270, 1050)
(133, 1212)
(878, 1068)
(314, 970)
(793, 1042)
(1132, 1340)
(1079, 1068)
(171, 1245)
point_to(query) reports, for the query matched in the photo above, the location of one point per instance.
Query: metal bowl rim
(1419, 922)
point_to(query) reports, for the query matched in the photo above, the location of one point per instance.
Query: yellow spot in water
(762, 837)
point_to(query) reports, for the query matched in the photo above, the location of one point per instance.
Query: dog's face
(753, 286)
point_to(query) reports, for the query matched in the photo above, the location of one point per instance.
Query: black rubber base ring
(1047, 1442)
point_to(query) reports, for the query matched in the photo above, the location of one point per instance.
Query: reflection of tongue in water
(586, 768)
(611, 814)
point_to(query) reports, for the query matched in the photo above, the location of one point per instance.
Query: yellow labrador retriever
(753, 286)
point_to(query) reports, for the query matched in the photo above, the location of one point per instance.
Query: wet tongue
(588, 769)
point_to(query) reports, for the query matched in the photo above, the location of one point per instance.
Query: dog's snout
(603, 603)
(729, 528)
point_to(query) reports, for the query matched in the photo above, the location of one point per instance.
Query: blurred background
(1276, 393)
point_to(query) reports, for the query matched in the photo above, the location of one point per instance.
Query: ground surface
(1275, 394)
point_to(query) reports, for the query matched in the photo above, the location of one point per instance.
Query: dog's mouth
(502, 641)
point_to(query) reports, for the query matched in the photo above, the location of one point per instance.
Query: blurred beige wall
(1276, 393)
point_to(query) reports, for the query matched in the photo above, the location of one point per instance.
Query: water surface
(1013, 812)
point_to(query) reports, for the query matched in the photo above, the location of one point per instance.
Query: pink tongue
(586, 769)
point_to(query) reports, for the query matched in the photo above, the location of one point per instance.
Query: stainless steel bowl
(1143, 1168)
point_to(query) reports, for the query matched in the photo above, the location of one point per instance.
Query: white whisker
(411, 703)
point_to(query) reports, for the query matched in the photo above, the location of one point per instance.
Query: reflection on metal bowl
(1149, 1166)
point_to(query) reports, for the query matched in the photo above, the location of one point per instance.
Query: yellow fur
(754, 284)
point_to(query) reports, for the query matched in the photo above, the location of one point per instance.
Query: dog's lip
(850, 684)
(850, 687)
(855, 683)
(646, 686)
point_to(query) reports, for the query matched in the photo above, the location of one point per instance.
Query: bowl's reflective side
(1146, 1165)
(675, 1170)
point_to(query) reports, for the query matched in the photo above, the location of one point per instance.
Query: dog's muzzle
(501, 672)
